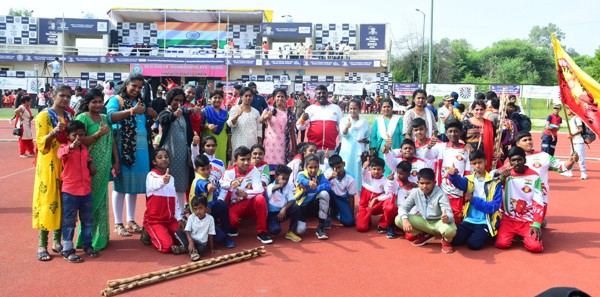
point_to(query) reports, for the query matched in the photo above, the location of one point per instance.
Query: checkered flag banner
(137, 33)
(18, 30)
(243, 35)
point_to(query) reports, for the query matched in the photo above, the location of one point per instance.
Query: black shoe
(264, 238)
(321, 233)
(145, 237)
(233, 233)
(381, 230)
(391, 232)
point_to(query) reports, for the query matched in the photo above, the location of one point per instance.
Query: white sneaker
(583, 176)
(567, 173)
(301, 227)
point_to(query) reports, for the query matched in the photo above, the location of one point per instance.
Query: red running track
(348, 264)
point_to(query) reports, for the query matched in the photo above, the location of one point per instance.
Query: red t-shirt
(554, 120)
(76, 178)
(290, 103)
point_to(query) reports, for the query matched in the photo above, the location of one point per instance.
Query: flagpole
(569, 127)
(561, 97)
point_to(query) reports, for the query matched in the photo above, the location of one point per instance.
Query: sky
(481, 23)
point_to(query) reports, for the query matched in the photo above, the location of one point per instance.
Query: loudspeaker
(114, 38)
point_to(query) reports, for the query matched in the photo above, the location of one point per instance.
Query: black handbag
(17, 132)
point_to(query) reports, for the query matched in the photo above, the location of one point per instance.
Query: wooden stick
(121, 281)
(498, 140)
(175, 274)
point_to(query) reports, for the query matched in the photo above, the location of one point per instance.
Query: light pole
(37, 87)
(430, 43)
(422, 47)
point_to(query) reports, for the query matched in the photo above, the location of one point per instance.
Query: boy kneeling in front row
(434, 215)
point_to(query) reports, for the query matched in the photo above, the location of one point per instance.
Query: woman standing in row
(354, 140)
(387, 127)
(280, 138)
(214, 122)
(246, 129)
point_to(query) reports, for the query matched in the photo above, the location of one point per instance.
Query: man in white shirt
(55, 67)
(575, 133)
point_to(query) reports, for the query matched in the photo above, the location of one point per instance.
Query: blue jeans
(548, 145)
(72, 204)
(474, 235)
(341, 209)
(220, 211)
(293, 214)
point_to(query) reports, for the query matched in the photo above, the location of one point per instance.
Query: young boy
(446, 155)
(343, 190)
(483, 199)
(400, 187)
(523, 205)
(419, 130)
(76, 192)
(215, 201)
(200, 229)
(434, 215)
(314, 187)
(406, 153)
(550, 136)
(245, 194)
(375, 201)
(282, 204)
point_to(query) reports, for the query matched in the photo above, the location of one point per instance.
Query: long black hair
(130, 79)
(90, 94)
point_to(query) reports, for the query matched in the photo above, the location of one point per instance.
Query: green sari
(101, 153)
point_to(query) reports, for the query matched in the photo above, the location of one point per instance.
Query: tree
(541, 36)
(20, 12)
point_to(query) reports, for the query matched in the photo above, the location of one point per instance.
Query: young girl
(297, 164)
(162, 217)
(258, 160)
(217, 167)
(314, 186)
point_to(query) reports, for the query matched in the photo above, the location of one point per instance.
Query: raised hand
(139, 107)
(211, 187)
(75, 144)
(212, 127)
(349, 123)
(451, 170)
(166, 177)
(104, 129)
(432, 142)
(391, 176)
(196, 139)
(444, 217)
(312, 184)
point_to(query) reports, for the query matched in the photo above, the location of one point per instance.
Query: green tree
(542, 36)
(20, 12)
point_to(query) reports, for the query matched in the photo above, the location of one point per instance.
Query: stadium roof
(236, 16)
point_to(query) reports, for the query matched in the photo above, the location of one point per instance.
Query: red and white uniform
(542, 163)
(254, 206)
(322, 125)
(162, 211)
(374, 189)
(399, 190)
(393, 157)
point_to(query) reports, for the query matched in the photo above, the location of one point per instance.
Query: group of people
(213, 165)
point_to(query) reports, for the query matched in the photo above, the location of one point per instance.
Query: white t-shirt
(55, 66)
(74, 101)
(346, 187)
(443, 112)
(200, 228)
(574, 123)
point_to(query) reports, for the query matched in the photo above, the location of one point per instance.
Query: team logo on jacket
(459, 157)
(526, 189)
(537, 165)
(414, 173)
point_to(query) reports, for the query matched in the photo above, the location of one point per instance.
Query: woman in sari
(214, 119)
(246, 129)
(46, 206)
(479, 133)
(280, 140)
(128, 114)
(387, 126)
(101, 146)
(354, 141)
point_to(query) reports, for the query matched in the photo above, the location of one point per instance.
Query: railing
(190, 52)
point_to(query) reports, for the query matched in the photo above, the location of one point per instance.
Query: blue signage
(82, 26)
(286, 30)
(372, 37)
(506, 89)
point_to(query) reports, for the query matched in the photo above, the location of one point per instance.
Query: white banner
(12, 83)
(540, 92)
(465, 92)
(264, 87)
(348, 89)
(32, 87)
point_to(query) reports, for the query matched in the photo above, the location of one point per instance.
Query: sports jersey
(345, 187)
(444, 156)
(393, 157)
(522, 200)
(249, 182)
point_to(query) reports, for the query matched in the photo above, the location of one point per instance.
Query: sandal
(133, 226)
(120, 229)
(57, 248)
(71, 257)
(91, 252)
(177, 249)
(43, 256)
(194, 256)
(145, 237)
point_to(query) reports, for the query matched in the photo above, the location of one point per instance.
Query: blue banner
(372, 37)
(71, 82)
(405, 89)
(82, 26)
(506, 89)
(286, 30)
(47, 33)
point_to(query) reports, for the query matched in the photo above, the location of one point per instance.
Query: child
(343, 190)
(419, 130)
(200, 229)
(483, 199)
(258, 161)
(282, 204)
(406, 153)
(374, 200)
(446, 155)
(217, 167)
(400, 187)
(305, 149)
(434, 215)
(76, 192)
(523, 205)
(203, 183)
(156, 136)
(162, 218)
(313, 186)
(245, 194)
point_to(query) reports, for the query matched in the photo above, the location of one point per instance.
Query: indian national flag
(191, 33)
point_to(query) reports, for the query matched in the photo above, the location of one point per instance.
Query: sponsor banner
(506, 90)
(242, 62)
(348, 89)
(286, 63)
(406, 89)
(47, 32)
(33, 87)
(372, 37)
(12, 83)
(71, 82)
(265, 87)
(197, 70)
(465, 92)
(18, 30)
(541, 92)
(82, 26)
(286, 30)
(310, 88)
